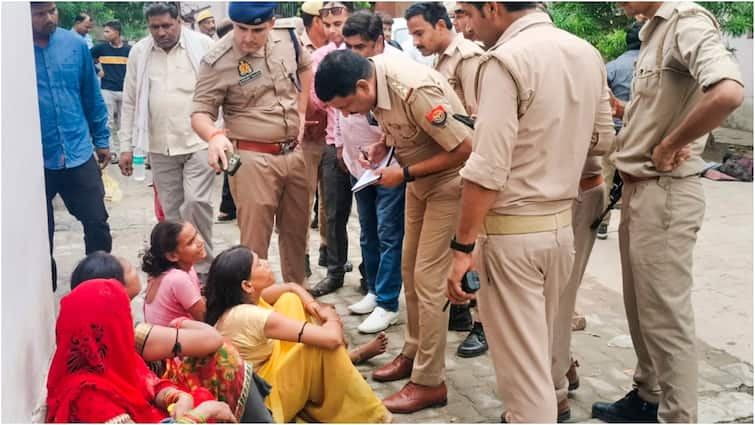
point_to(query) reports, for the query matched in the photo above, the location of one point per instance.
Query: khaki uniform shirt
(307, 42)
(414, 108)
(259, 91)
(459, 64)
(545, 106)
(682, 55)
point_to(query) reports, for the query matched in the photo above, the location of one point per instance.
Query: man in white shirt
(156, 118)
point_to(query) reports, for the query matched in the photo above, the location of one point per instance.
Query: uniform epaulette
(468, 49)
(286, 23)
(219, 49)
(402, 90)
(688, 10)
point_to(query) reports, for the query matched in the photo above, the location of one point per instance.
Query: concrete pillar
(28, 312)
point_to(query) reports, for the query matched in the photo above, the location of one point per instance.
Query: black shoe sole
(613, 419)
(470, 354)
(315, 293)
(563, 417)
(459, 328)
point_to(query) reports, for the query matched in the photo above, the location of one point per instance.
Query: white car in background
(400, 33)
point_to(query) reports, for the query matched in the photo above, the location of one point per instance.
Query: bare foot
(369, 350)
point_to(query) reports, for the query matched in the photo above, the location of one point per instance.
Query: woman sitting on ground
(207, 360)
(173, 288)
(310, 371)
(96, 376)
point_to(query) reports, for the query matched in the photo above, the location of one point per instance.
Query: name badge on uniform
(437, 116)
(245, 72)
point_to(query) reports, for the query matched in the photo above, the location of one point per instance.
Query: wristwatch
(408, 177)
(465, 248)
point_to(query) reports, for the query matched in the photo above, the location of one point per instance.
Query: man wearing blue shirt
(73, 116)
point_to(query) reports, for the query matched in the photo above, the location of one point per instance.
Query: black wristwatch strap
(465, 248)
(408, 177)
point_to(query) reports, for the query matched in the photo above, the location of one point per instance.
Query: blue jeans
(381, 216)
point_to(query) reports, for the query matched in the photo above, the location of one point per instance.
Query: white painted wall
(741, 119)
(28, 315)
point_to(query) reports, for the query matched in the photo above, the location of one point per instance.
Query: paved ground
(722, 299)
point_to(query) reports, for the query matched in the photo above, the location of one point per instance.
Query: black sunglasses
(335, 11)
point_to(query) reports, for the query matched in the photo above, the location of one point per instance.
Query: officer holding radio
(517, 218)
(261, 77)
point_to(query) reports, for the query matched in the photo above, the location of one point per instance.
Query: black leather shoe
(363, 288)
(307, 268)
(631, 408)
(348, 267)
(460, 318)
(474, 344)
(323, 260)
(329, 284)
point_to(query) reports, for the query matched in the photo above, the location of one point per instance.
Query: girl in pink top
(173, 288)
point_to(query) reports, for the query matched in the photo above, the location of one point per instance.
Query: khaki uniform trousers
(660, 219)
(313, 155)
(587, 207)
(521, 277)
(274, 189)
(432, 210)
(184, 183)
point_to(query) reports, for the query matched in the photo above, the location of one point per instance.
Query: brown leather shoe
(399, 368)
(564, 412)
(414, 397)
(572, 376)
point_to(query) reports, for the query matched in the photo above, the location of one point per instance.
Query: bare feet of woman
(369, 350)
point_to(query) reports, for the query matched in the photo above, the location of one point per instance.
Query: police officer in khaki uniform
(414, 106)
(540, 84)
(686, 83)
(586, 208)
(261, 77)
(457, 59)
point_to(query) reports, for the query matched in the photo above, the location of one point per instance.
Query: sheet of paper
(371, 176)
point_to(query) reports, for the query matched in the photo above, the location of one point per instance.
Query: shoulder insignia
(218, 50)
(437, 116)
(402, 90)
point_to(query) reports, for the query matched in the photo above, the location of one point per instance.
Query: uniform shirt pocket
(646, 82)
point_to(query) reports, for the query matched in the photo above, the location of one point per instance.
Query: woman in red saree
(96, 376)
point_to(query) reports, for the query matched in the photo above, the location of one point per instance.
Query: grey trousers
(184, 186)
(113, 101)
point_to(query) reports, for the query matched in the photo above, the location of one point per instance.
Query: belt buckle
(288, 147)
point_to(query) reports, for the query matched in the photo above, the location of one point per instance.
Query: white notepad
(371, 176)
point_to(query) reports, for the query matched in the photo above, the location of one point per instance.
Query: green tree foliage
(129, 14)
(603, 24)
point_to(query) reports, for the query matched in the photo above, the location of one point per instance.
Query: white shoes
(365, 305)
(377, 321)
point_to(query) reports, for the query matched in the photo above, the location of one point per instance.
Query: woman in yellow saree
(294, 342)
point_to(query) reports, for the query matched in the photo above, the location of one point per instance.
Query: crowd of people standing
(491, 177)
